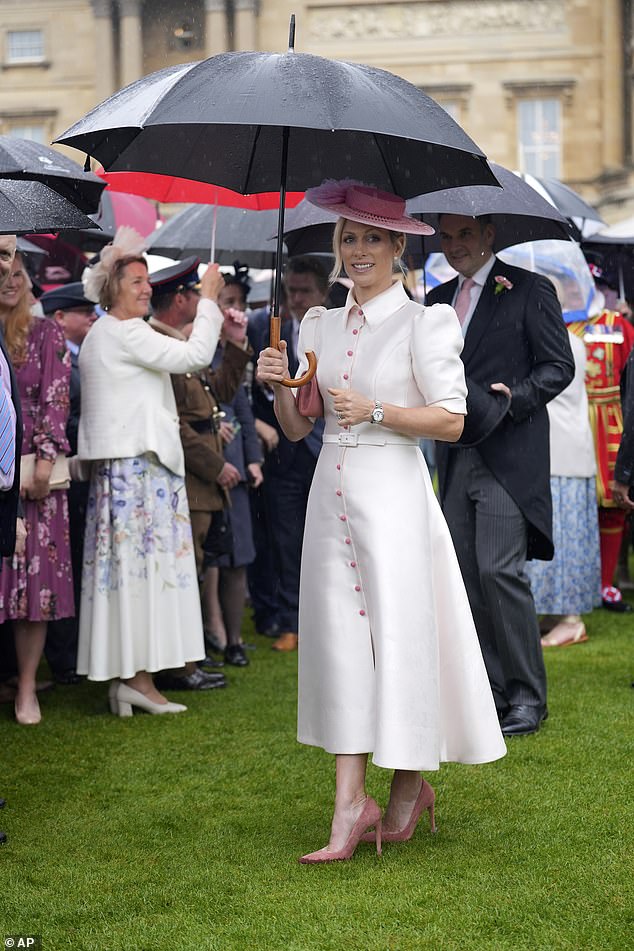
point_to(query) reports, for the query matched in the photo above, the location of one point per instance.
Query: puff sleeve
(436, 347)
(309, 337)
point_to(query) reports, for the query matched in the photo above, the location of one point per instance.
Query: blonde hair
(395, 237)
(18, 319)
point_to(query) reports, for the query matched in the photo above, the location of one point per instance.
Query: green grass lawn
(182, 833)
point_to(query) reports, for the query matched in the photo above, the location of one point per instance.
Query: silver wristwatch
(377, 412)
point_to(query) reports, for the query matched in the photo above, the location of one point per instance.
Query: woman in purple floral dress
(37, 586)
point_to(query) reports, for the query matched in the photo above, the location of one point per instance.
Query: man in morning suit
(289, 468)
(495, 484)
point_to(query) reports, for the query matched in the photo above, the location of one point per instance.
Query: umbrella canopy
(518, 212)
(308, 229)
(221, 120)
(246, 235)
(585, 218)
(561, 261)
(170, 189)
(116, 209)
(566, 267)
(28, 207)
(256, 122)
(30, 248)
(24, 159)
(613, 250)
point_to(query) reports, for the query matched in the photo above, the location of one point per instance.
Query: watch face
(377, 415)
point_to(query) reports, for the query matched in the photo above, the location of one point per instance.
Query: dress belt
(370, 439)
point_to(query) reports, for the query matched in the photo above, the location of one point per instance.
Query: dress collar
(379, 308)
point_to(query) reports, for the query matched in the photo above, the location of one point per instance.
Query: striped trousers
(489, 533)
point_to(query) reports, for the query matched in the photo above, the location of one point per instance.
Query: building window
(539, 137)
(32, 131)
(25, 46)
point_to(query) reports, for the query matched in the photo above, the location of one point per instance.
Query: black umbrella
(31, 207)
(24, 159)
(614, 253)
(583, 216)
(266, 121)
(518, 212)
(235, 233)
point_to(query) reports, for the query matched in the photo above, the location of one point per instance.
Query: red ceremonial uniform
(609, 338)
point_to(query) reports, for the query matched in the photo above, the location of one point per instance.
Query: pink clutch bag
(309, 401)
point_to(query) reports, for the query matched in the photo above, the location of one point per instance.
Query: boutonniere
(502, 284)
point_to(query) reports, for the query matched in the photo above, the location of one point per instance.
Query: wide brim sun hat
(366, 205)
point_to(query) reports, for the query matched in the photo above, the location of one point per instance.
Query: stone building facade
(542, 85)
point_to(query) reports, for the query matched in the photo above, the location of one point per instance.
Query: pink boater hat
(366, 205)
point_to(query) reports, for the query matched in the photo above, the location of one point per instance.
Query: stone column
(131, 39)
(216, 39)
(245, 24)
(104, 49)
(612, 93)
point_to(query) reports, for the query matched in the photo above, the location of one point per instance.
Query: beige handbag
(60, 476)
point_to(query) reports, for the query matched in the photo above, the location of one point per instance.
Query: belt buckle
(348, 439)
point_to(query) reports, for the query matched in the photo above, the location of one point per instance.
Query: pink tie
(463, 300)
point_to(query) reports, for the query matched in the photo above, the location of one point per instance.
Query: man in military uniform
(207, 476)
(609, 338)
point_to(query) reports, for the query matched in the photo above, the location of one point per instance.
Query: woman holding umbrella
(389, 660)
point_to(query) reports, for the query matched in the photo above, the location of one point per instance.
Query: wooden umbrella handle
(275, 335)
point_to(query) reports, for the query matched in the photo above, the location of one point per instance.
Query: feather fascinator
(127, 243)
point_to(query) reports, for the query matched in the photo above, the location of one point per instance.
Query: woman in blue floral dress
(37, 586)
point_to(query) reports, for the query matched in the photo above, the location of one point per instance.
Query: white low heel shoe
(122, 698)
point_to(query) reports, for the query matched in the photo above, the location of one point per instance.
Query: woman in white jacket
(140, 608)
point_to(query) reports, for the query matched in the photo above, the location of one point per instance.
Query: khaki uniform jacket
(197, 396)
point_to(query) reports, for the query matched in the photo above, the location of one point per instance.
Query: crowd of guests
(101, 389)
(108, 485)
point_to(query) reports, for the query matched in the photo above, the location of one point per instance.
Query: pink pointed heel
(370, 816)
(425, 800)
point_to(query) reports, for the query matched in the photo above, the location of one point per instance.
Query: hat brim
(405, 223)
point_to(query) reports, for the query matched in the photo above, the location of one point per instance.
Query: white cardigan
(127, 401)
(571, 443)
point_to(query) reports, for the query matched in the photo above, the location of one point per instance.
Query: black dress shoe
(212, 643)
(619, 607)
(197, 680)
(234, 654)
(3, 837)
(68, 678)
(272, 630)
(212, 662)
(522, 719)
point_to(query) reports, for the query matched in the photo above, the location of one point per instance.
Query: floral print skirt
(38, 585)
(571, 582)
(140, 605)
